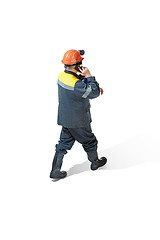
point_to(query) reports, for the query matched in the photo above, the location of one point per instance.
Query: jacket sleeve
(90, 90)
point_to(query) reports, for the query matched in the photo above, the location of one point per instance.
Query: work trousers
(83, 135)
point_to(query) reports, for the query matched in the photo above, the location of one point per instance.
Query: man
(76, 86)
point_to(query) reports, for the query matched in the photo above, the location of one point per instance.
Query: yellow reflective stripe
(67, 79)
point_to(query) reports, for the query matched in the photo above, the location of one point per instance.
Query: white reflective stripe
(87, 92)
(65, 86)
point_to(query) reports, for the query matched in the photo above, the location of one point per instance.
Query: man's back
(74, 95)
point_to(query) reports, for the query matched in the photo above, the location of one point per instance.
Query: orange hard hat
(72, 57)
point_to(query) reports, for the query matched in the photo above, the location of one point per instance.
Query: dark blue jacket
(74, 103)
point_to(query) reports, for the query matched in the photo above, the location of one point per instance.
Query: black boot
(56, 167)
(96, 163)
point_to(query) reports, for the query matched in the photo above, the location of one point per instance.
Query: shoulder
(80, 84)
(67, 79)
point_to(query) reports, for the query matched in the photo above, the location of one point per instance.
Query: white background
(121, 40)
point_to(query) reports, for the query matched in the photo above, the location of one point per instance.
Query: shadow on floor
(134, 151)
(79, 168)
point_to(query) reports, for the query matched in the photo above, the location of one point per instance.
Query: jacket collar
(74, 74)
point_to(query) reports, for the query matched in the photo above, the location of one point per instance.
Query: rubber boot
(56, 167)
(96, 163)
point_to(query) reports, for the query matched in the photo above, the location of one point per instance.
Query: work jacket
(74, 99)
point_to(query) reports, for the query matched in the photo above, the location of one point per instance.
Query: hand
(101, 91)
(85, 72)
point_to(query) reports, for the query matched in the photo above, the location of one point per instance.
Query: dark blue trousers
(83, 135)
